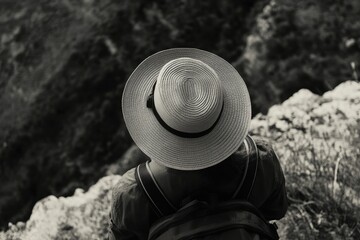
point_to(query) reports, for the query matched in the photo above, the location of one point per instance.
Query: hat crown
(188, 95)
(146, 94)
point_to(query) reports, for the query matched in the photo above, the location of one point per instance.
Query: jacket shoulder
(126, 182)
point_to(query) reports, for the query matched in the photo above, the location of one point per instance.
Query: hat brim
(169, 149)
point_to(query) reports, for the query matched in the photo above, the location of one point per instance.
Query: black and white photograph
(179, 120)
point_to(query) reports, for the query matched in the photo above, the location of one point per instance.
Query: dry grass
(323, 189)
(317, 139)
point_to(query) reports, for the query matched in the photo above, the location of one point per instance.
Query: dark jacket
(131, 212)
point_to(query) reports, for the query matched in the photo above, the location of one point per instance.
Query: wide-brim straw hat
(186, 108)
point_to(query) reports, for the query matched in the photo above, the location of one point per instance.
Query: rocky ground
(81, 216)
(63, 65)
(316, 138)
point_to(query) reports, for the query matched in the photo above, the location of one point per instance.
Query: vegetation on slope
(63, 65)
(317, 141)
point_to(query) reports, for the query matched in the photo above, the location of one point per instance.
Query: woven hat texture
(194, 92)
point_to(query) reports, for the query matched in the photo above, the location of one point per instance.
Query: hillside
(64, 63)
(63, 66)
(316, 138)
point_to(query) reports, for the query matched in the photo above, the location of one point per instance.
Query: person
(189, 112)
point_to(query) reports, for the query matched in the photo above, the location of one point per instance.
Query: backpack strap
(146, 180)
(247, 182)
(162, 204)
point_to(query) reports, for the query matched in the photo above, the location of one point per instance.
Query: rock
(60, 84)
(285, 50)
(63, 66)
(317, 140)
(82, 216)
(64, 63)
(314, 131)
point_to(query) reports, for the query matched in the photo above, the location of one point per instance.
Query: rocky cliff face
(81, 216)
(316, 138)
(63, 65)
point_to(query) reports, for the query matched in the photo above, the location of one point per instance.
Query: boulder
(81, 216)
(317, 141)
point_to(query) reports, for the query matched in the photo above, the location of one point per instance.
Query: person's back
(203, 160)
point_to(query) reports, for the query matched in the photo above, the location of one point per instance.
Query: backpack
(232, 219)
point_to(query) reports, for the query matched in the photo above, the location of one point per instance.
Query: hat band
(150, 104)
